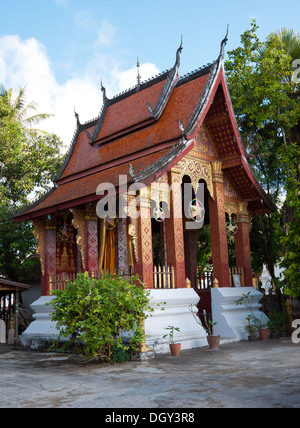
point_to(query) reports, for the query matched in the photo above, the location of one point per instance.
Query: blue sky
(61, 49)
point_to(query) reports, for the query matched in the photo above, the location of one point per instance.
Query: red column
(45, 233)
(174, 230)
(122, 245)
(91, 226)
(50, 257)
(218, 228)
(242, 245)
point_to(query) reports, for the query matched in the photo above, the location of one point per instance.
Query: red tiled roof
(128, 134)
(180, 106)
(76, 191)
(129, 111)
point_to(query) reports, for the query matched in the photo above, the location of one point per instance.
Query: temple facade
(161, 160)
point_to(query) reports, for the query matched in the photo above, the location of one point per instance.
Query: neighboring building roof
(151, 127)
(6, 285)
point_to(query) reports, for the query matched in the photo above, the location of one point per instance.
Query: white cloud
(128, 78)
(106, 34)
(26, 62)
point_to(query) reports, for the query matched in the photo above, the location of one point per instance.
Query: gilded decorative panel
(203, 144)
(39, 234)
(197, 170)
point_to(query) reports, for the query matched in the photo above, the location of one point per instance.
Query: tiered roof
(144, 131)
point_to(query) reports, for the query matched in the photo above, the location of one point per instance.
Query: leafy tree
(291, 240)
(204, 252)
(266, 102)
(28, 160)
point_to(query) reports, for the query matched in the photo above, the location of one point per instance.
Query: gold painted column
(242, 244)
(140, 232)
(45, 233)
(145, 239)
(79, 224)
(218, 228)
(174, 229)
(85, 222)
(91, 226)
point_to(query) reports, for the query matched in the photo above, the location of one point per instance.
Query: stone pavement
(239, 375)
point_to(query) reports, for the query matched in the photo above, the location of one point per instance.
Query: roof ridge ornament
(100, 118)
(138, 74)
(77, 118)
(179, 50)
(224, 43)
(202, 102)
(103, 89)
(165, 94)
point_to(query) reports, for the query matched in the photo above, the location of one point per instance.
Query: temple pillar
(140, 231)
(45, 233)
(242, 244)
(79, 224)
(121, 258)
(50, 256)
(91, 226)
(218, 228)
(86, 224)
(174, 229)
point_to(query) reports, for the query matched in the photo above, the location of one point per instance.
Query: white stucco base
(175, 312)
(43, 329)
(171, 308)
(230, 318)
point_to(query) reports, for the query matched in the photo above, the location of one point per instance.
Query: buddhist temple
(170, 150)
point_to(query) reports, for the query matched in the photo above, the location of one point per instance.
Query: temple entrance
(163, 273)
(197, 241)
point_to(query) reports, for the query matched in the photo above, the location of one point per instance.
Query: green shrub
(91, 315)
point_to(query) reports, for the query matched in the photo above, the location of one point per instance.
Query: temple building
(163, 159)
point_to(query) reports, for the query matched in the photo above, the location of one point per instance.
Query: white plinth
(230, 318)
(43, 329)
(2, 332)
(176, 313)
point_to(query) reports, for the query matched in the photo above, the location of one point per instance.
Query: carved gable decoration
(203, 145)
(197, 170)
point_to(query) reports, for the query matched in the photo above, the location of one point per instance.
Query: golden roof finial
(138, 75)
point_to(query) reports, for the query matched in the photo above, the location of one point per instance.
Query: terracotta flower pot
(264, 333)
(175, 349)
(213, 341)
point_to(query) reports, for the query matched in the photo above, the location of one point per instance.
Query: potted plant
(251, 329)
(212, 340)
(276, 323)
(174, 347)
(263, 330)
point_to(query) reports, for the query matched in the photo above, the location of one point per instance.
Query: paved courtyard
(251, 375)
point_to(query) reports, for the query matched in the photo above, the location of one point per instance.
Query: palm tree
(290, 41)
(291, 45)
(20, 110)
